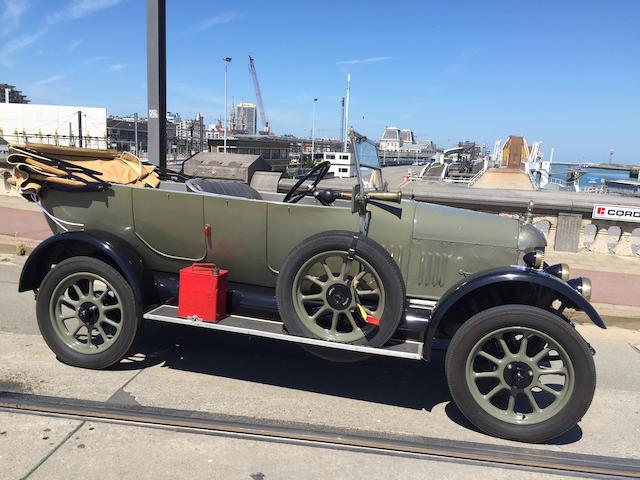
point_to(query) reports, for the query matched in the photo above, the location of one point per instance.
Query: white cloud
(364, 60)
(75, 44)
(14, 46)
(95, 59)
(81, 8)
(14, 9)
(219, 19)
(12, 12)
(116, 67)
(51, 79)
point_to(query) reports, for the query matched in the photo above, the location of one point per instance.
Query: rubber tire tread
(131, 314)
(561, 331)
(369, 250)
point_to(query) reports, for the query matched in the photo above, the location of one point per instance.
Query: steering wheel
(294, 195)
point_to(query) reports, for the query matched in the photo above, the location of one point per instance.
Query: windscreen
(369, 163)
(367, 154)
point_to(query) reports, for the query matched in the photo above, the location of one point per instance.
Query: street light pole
(227, 60)
(313, 131)
(135, 132)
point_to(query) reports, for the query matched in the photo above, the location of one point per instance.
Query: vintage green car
(343, 273)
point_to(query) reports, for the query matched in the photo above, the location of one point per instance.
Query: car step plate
(272, 329)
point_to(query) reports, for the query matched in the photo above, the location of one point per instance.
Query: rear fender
(98, 244)
(503, 278)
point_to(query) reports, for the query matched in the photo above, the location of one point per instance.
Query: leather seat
(223, 187)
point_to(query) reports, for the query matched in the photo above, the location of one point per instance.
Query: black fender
(102, 245)
(459, 291)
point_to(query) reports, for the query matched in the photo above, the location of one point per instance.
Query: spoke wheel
(520, 375)
(86, 312)
(326, 296)
(520, 372)
(319, 295)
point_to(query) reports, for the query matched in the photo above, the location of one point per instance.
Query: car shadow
(390, 381)
(456, 416)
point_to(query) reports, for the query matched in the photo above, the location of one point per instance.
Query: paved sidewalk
(15, 222)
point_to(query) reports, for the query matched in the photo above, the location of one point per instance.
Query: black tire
(367, 249)
(131, 317)
(495, 319)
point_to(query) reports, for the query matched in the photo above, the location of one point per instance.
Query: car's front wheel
(520, 373)
(87, 313)
(322, 294)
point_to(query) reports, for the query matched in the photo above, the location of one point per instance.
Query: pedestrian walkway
(16, 222)
(504, 178)
(612, 288)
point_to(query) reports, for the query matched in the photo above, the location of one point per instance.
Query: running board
(259, 327)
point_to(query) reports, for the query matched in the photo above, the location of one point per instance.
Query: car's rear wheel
(320, 291)
(87, 313)
(520, 372)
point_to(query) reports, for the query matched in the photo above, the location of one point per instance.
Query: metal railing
(534, 181)
(558, 181)
(470, 180)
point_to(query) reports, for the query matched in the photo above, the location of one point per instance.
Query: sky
(566, 73)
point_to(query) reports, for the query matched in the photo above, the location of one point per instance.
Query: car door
(238, 238)
(170, 224)
(289, 224)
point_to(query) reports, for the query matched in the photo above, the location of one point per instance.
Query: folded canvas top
(36, 166)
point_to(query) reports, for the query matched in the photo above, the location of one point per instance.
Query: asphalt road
(226, 374)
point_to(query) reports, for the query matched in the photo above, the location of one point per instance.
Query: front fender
(103, 245)
(505, 275)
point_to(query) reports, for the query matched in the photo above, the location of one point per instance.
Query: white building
(54, 124)
(244, 119)
(391, 140)
(342, 166)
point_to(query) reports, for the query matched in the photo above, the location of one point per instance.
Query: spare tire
(318, 297)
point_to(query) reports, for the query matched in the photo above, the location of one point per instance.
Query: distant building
(407, 137)
(422, 149)
(391, 140)
(244, 119)
(275, 150)
(121, 134)
(173, 117)
(403, 143)
(342, 165)
(9, 94)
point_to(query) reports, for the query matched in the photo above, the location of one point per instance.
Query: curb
(612, 320)
(16, 245)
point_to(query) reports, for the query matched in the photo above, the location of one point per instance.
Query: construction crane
(256, 86)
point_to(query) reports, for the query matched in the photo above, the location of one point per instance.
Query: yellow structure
(514, 152)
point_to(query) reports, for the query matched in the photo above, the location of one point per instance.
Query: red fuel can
(203, 292)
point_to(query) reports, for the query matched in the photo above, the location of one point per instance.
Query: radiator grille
(433, 269)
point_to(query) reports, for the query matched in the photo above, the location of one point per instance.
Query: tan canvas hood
(36, 166)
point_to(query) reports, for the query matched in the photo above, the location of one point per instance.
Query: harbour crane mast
(256, 87)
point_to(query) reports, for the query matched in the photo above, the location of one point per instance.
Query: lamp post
(227, 60)
(313, 131)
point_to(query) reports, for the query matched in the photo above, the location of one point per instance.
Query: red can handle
(206, 267)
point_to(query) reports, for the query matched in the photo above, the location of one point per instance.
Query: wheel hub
(518, 375)
(88, 313)
(339, 296)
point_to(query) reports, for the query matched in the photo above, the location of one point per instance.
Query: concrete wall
(50, 124)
